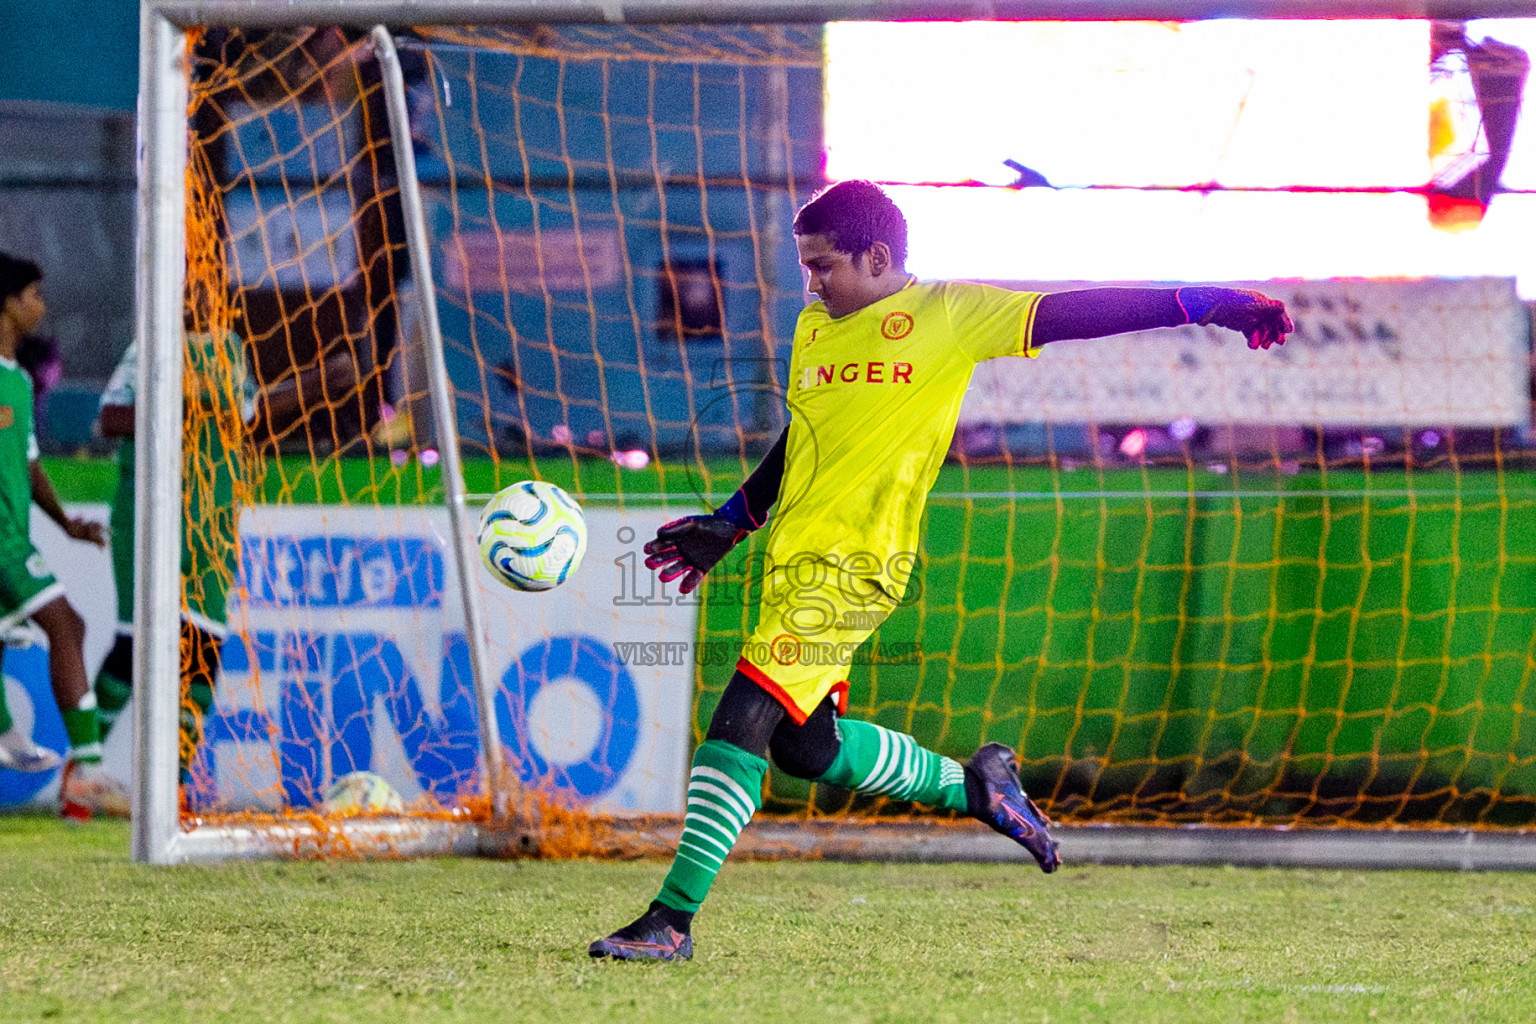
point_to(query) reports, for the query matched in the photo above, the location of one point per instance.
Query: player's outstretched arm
(329, 380)
(48, 501)
(688, 548)
(1097, 312)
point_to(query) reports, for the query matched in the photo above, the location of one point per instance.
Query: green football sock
(878, 761)
(83, 727)
(201, 694)
(6, 721)
(725, 789)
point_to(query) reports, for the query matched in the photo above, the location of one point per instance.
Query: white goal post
(157, 834)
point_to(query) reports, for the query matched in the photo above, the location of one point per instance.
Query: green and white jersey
(221, 369)
(25, 582)
(122, 389)
(18, 450)
(221, 403)
(219, 366)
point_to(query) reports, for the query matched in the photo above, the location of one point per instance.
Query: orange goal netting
(1286, 595)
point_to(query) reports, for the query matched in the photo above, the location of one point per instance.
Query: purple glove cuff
(1197, 302)
(736, 512)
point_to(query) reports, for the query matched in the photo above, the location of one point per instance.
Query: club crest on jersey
(786, 649)
(7, 416)
(897, 325)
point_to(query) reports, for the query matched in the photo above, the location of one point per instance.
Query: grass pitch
(87, 935)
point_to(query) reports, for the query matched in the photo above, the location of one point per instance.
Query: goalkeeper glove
(690, 547)
(1261, 319)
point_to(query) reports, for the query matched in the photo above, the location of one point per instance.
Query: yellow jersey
(873, 399)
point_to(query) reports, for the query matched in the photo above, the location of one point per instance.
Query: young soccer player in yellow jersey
(877, 371)
(28, 589)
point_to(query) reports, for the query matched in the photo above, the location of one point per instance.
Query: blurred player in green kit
(222, 403)
(28, 590)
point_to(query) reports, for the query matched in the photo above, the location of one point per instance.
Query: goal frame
(157, 836)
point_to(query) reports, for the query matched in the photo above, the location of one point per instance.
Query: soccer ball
(532, 536)
(362, 793)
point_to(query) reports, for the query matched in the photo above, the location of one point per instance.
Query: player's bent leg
(724, 790)
(66, 650)
(875, 760)
(808, 750)
(997, 798)
(879, 761)
(85, 789)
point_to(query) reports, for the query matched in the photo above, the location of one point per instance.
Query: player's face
(25, 309)
(842, 281)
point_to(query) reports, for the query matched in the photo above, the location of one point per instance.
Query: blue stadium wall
(675, 162)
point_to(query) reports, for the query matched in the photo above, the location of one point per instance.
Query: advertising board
(347, 652)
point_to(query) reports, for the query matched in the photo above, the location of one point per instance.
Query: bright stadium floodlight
(477, 227)
(1185, 104)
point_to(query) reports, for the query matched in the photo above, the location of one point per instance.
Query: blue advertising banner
(347, 652)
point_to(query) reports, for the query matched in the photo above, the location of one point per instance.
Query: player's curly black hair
(16, 274)
(855, 214)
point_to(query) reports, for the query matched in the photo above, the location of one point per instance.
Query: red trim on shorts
(775, 691)
(839, 691)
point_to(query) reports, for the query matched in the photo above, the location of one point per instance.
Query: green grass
(87, 935)
(296, 479)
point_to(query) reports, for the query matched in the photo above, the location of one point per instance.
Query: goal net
(1187, 582)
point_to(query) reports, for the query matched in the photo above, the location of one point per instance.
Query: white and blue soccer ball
(532, 536)
(362, 793)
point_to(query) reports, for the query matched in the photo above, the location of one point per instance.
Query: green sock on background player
(201, 696)
(82, 725)
(876, 760)
(112, 696)
(725, 788)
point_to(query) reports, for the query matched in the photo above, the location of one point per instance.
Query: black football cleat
(651, 937)
(998, 799)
